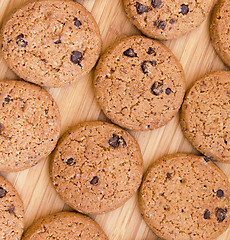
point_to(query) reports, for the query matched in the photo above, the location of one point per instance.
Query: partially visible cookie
(96, 167)
(167, 19)
(139, 83)
(220, 30)
(11, 212)
(65, 225)
(29, 125)
(184, 196)
(51, 42)
(205, 115)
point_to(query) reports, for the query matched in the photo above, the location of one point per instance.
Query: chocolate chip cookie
(65, 225)
(51, 43)
(29, 125)
(139, 83)
(96, 167)
(184, 196)
(11, 212)
(220, 28)
(167, 19)
(205, 115)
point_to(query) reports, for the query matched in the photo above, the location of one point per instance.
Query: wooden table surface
(77, 103)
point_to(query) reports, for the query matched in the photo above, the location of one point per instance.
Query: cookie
(65, 225)
(51, 42)
(219, 30)
(11, 212)
(29, 125)
(205, 115)
(96, 167)
(139, 83)
(184, 196)
(167, 19)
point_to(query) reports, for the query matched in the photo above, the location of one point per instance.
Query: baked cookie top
(51, 43)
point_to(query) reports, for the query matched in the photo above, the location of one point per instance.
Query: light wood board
(77, 103)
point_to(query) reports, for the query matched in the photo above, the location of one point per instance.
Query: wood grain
(77, 103)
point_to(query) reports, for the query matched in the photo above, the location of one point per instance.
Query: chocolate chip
(6, 100)
(146, 65)
(94, 181)
(141, 8)
(44, 60)
(182, 180)
(76, 57)
(11, 209)
(171, 21)
(160, 24)
(151, 51)
(206, 214)
(225, 141)
(168, 91)
(3, 192)
(114, 141)
(77, 23)
(221, 214)
(208, 159)
(70, 161)
(123, 142)
(184, 9)
(20, 41)
(130, 53)
(220, 193)
(157, 88)
(156, 3)
(58, 41)
(168, 175)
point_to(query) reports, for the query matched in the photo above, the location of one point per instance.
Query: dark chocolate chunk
(11, 209)
(44, 60)
(3, 192)
(70, 161)
(114, 141)
(6, 100)
(221, 214)
(184, 9)
(123, 142)
(141, 8)
(157, 88)
(146, 65)
(20, 41)
(151, 51)
(208, 159)
(160, 24)
(94, 181)
(76, 57)
(58, 41)
(168, 91)
(171, 21)
(168, 175)
(220, 193)
(77, 23)
(130, 53)
(206, 214)
(156, 3)
(225, 141)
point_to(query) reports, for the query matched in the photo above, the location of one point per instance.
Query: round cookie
(205, 115)
(29, 125)
(184, 196)
(220, 28)
(96, 167)
(65, 225)
(139, 83)
(51, 42)
(11, 212)
(167, 19)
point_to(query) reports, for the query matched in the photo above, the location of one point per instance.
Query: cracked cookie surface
(205, 115)
(29, 125)
(139, 83)
(96, 167)
(220, 28)
(167, 19)
(65, 225)
(51, 43)
(11, 212)
(184, 196)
